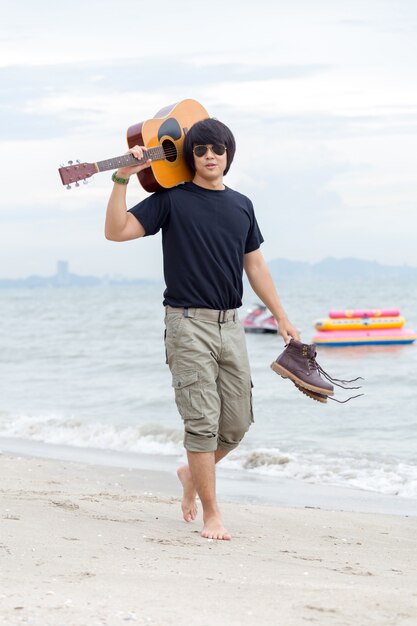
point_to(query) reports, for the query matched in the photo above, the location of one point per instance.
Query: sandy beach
(86, 545)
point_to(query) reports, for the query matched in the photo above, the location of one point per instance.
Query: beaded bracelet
(119, 179)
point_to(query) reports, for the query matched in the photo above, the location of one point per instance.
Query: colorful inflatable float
(363, 327)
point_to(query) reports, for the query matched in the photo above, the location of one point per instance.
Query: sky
(321, 96)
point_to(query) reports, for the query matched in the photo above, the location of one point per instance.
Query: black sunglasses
(217, 148)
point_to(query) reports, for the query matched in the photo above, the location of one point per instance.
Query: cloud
(29, 94)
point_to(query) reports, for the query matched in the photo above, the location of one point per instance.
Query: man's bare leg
(202, 468)
(189, 505)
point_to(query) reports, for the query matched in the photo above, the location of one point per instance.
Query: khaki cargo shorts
(209, 364)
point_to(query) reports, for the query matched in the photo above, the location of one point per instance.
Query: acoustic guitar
(162, 136)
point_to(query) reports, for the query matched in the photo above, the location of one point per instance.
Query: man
(209, 235)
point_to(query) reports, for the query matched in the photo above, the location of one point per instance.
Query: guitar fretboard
(126, 160)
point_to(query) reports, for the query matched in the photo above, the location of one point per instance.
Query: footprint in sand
(65, 504)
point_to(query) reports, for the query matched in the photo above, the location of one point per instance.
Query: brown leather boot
(298, 362)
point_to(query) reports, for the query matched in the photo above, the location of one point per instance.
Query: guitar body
(167, 129)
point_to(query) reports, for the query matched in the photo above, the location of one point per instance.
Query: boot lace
(313, 365)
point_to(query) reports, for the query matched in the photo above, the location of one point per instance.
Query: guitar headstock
(74, 173)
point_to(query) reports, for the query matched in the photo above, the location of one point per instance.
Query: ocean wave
(386, 476)
(145, 439)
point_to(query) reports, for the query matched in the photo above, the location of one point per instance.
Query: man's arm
(121, 225)
(260, 280)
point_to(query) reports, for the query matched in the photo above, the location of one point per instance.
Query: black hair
(208, 131)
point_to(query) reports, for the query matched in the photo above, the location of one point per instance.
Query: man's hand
(137, 152)
(287, 330)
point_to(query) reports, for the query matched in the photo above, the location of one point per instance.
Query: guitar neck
(126, 160)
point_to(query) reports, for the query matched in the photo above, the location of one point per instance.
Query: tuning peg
(77, 184)
(77, 161)
(68, 186)
(70, 162)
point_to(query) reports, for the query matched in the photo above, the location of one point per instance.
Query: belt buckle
(222, 317)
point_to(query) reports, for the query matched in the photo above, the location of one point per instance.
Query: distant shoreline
(328, 268)
(73, 280)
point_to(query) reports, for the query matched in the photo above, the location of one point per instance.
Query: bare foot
(214, 529)
(188, 504)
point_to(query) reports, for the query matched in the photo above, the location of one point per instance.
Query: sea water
(85, 368)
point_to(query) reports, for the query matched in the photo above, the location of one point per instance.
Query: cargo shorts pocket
(188, 394)
(173, 323)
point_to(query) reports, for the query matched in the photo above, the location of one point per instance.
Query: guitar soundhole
(170, 150)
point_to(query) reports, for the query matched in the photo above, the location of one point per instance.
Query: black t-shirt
(205, 235)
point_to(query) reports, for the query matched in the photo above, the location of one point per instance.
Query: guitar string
(167, 153)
